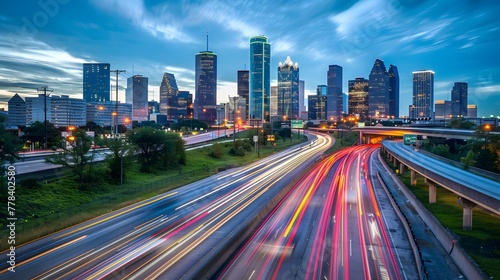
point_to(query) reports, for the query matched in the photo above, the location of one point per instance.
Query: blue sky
(45, 42)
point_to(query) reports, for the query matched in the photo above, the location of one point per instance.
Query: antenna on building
(207, 38)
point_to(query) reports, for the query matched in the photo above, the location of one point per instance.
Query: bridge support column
(467, 214)
(394, 162)
(401, 168)
(368, 139)
(432, 191)
(413, 178)
(360, 138)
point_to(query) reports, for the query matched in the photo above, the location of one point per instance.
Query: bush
(217, 151)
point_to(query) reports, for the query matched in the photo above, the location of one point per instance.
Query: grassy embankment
(59, 203)
(482, 243)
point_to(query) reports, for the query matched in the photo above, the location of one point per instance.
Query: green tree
(468, 160)
(216, 151)
(173, 152)
(148, 141)
(118, 161)
(36, 134)
(75, 155)
(9, 148)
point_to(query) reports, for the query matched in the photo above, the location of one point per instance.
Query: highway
(164, 237)
(482, 191)
(330, 226)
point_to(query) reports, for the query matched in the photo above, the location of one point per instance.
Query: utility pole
(116, 106)
(45, 89)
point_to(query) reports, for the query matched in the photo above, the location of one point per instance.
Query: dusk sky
(46, 44)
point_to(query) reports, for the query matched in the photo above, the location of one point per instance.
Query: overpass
(471, 189)
(365, 133)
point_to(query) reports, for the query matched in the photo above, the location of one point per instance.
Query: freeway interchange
(329, 226)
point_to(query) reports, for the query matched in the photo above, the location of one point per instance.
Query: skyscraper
(317, 104)
(378, 92)
(137, 95)
(393, 91)
(260, 78)
(288, 89)
(273, 100)
(358, 98)
(17, 111)
(423, 94)
(243, 88)
(206, 87)
(168, 90)
(472, 111)
(459, 97)
(302, 89)
(335, 102)
(96, 82)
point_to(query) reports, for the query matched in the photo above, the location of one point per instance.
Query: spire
(207, 39)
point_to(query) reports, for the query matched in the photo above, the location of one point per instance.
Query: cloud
(157, 25)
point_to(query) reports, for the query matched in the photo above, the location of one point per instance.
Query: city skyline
(46, 45)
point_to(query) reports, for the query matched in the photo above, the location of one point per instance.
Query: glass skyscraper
(423, 94)
(168, 91)
(206, 87)
(393, 91)
(288, 89)
(378, 92)
(96, 82)
(459, 95)
(260, 78)
(243, 88)
(335, 102)
(358, 98)
(137, 95)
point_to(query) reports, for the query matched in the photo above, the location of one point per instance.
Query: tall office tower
(96, 82)
(378, 92)
(288, 89)
(302, 89)
(335, 102)
(393, 91)
(459, 99)
(260, 79)
(206, 87)
(17, 111)
(471, 111)
(442, 109)
(153, 107)
(243, 88)
(317, 104)
(184, 101)
(358, 98)
(168, 90)
(423, 94)
(137, 95)
(273, 100)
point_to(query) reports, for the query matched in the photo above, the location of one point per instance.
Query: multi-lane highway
(166, 236)
(329, 227)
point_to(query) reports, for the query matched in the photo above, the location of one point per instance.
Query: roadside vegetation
(160, 164)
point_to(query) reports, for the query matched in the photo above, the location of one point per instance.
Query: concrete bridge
(471, 189)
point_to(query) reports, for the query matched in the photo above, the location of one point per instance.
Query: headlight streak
(367, 231)
(124, 249)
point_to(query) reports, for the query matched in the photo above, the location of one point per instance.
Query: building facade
(260, 79)
(101, 113)
(273, 100)
(423, 95)
(459, 99)
(96, 82)
(378, 92)
(442, 110)
(137, 95)
(393, 91)
(317, 104)
(244, 88)
(335, 102)
(358, 98)
(206, 87)
(471, 111)
(17, 111)
(168, 91)
(302, 92)
(288, 89)
(62, 111)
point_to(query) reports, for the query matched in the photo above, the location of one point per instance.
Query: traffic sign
(297, 123)
(410, 139)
